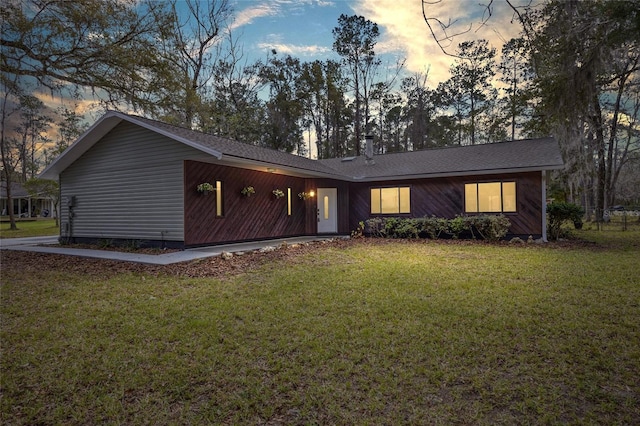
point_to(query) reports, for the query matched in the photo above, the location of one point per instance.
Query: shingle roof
(17, 190)
(229, 147)
(523, 155)
(526, 154)
(520, 155)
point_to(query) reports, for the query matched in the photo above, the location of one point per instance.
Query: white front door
(327, 210)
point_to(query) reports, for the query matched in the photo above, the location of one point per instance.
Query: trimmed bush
(490, 227)
(487, 227)
(560, 212)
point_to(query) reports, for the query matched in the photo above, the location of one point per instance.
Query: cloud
(280, 11)
(404, 30)
(249, 14)
(294, 50)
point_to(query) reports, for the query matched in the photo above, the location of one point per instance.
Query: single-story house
(131, 178)
(24, 204)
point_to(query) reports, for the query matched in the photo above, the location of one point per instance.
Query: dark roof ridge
(439, 148)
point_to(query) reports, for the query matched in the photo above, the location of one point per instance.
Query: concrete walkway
(50, 245)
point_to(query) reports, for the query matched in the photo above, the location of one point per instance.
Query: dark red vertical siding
(260, 216)
(444, 197)
(263, 216)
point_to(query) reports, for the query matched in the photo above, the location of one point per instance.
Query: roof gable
(213, 147)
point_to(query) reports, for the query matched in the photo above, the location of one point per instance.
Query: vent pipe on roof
(368, 150)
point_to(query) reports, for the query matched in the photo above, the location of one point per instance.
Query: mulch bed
(218, 267)
(26, 262)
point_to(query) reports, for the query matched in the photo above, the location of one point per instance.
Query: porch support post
(545, 178)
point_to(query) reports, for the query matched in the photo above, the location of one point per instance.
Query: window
(219, 198)
(325, 200)
(390, 200)
(288, 201)
(490, 197)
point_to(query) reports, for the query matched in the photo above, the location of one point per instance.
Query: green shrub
(490, 227)
(375, 227)
(359, 231)
(560, 212)
(487, 227)
(390, 226)
(457, 225)
(408, 228)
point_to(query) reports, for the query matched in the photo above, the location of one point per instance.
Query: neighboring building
(130, 178)
(24, 205)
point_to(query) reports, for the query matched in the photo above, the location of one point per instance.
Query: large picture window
(391, 200)
(490, 197)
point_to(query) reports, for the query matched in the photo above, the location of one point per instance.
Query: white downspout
(544, 205)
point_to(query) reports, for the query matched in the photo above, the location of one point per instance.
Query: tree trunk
(601, 174)
(611, 167)
(358, 117)
(7, 169)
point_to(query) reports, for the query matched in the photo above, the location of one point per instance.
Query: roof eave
(458, 173)
(270, 167)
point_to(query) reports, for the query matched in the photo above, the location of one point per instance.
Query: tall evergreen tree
(419, 111)
(516, 74)
(284, 110)
(354, 40)
(471, 77)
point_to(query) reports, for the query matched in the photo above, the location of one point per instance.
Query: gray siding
(129, 185)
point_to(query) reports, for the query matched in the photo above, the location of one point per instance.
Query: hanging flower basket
(278, 193)
(248, 191)
(205, 188)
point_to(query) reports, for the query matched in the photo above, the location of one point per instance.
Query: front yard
(29, 228)
(357, 332)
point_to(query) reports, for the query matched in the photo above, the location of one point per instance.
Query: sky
(303, 28)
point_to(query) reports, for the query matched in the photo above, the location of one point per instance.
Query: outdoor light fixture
(312, 193)
(271, 169)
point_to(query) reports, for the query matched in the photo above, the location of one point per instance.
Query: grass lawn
(32, 228)
(377, 333)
